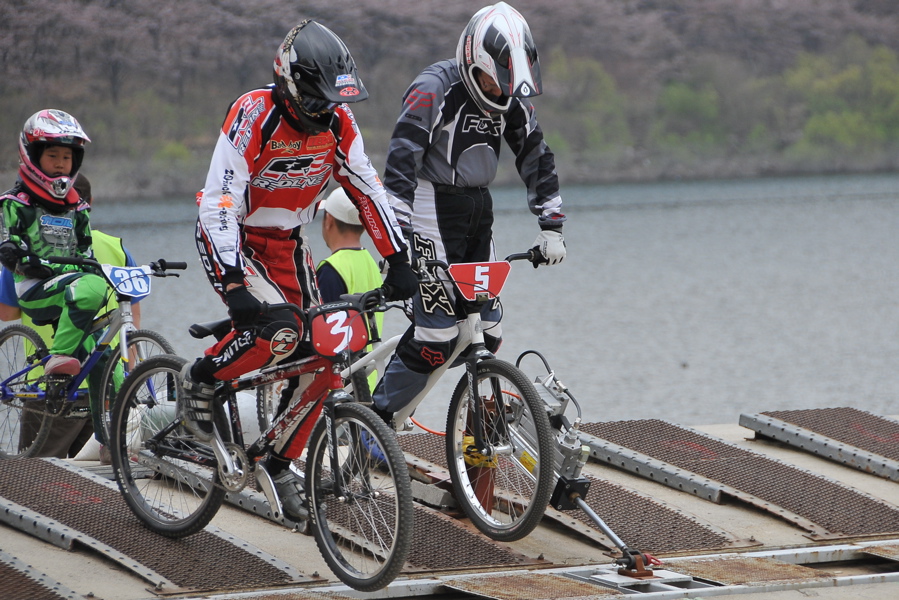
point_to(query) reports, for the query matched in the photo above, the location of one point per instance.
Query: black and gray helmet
(314, 72)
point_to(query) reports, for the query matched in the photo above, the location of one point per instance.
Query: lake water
(690, 302)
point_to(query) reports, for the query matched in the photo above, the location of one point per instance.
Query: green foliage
(582, 110)
(688, 119)
(172, 152)
(851, 96)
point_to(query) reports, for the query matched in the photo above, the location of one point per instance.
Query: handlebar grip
(533, 256)
(173, 264)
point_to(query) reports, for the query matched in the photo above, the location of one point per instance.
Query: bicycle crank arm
(268, 490)
(227, 467)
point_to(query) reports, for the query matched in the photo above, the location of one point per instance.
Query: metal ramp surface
(643, 522)
(526, 586)
(64, 505)
(436, 538)
(848, 436)
(22, 582)
(710, 468)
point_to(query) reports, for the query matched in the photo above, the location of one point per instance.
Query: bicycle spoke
(505, 491)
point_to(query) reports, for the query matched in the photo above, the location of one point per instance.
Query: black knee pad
(283, 336)
(424, 357)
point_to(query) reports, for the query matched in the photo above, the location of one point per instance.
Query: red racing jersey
(266, 175)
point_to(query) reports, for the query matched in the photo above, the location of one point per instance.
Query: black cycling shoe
(292, 495)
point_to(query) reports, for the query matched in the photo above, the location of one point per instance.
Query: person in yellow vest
(67, 436)
(350, 269)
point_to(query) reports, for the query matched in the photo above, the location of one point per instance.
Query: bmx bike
(358, 496)
(30, 400)
(499, 447)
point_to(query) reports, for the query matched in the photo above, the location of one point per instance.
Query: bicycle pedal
(79, 412)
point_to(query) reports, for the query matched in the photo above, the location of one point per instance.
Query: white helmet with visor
(498, 42)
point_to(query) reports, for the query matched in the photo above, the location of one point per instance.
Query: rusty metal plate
(888, 551)
(296, 595)
(441, 543)
(650, 525)
(829, 507)
(850, 426)
(203, 561)
(425, 446)
(642, 521)
(529, 586)
(745, 570)
(22, 582)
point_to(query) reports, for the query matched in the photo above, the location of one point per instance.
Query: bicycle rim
(24, 424)
(143, 344)
(364, 535)
(172, 495)
(504, 495)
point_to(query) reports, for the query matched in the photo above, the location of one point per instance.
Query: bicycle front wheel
(505, 491)
(167, 477)
(360, 498)
(142, 344)
(24, 422)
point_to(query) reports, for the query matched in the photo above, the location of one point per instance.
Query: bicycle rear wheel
(168, 478)
(364, 529)
(24, 422)
(142, 344)
(504, 495)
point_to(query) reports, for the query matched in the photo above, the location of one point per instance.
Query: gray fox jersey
(442, 136)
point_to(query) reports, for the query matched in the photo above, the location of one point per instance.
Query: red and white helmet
(51, 127)
(498, 42)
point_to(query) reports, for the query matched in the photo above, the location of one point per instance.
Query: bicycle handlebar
(366, 302)
(157, 268)
(532, 255)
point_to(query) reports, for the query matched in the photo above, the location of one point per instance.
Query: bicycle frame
(116, 324)
(328, 379)
(470, 342)
(470, 333)
(127, 284)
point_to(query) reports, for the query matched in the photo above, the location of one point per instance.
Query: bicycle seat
(219, 329)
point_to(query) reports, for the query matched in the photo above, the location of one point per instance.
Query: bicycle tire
(20, 346)
(364, 541)
(171, 496)
(361, 388)
(145, 343)
(523, 474)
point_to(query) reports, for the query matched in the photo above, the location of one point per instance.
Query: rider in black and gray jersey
(442, 156)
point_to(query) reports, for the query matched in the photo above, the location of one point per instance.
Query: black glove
(32, 268)
(243, 307)
(10, 255)
(401, 281)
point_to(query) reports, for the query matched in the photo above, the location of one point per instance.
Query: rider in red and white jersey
(278, 149)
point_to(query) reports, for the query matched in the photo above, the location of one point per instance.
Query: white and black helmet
(314, 72)
(498, 42)
(45, 128)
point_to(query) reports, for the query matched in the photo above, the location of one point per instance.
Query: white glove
(551, 245)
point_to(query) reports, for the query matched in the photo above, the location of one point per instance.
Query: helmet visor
(312, 106)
